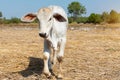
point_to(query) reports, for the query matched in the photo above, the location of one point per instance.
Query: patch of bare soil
(89, 55)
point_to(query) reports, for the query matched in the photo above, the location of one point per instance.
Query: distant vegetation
(8, 21)
(75, 11)
(3, 20)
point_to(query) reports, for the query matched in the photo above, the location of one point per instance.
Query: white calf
(53, 26)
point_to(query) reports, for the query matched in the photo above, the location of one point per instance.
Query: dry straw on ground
(89, 55)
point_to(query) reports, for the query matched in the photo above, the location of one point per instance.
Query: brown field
(89, 55)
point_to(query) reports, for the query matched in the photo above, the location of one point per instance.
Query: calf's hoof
(48, 74)
(60, 58)
(60, 76)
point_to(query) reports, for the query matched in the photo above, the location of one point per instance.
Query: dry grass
(89, 55)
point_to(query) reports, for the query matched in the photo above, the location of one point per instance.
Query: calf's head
(46, 19)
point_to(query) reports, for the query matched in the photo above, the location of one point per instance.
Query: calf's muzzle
(43, 35)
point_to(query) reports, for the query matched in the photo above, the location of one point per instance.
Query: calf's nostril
(42, 35)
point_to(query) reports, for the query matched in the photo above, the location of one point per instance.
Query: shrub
(95, 18)
(70, 19)
(15, 20)
(78, 19)
(114, 17)
(81, 19)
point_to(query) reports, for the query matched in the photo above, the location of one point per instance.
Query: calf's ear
(30, 17)
(59, 17)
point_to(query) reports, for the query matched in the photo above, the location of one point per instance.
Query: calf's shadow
(35, 67)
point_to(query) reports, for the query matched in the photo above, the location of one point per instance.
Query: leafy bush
(70, 19)
(114, 17)
(1, 21)
(105, 17)
(78, 19)
(81, 19)
(15, 20)
(95, 18)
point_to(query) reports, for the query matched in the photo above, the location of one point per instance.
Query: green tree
(0, 14)
(114, 17)
(94, 18)
(76, 9)
(1, 20)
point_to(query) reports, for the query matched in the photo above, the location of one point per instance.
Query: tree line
(75, 11)
(3, 20)
(105, 17)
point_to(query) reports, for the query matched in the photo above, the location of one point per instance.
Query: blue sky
(17, 8)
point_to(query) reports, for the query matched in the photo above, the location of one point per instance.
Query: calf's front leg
(46, 58)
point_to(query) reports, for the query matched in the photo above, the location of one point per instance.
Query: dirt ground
(89, 55)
